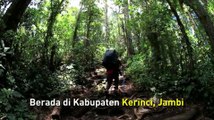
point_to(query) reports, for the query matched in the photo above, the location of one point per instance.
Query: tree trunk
(157, 59)
(204, 18)
(200, 35)
(51, 21)
(130, 49)
(56, 8)
(106, 22)
(90, 14)
(119, 27)
(52, 58)
(14, 13)
(76, 27)
(185, 36)
(156, 49)
(11, 20)
(138, 42)
(13, 16)
(89, 54)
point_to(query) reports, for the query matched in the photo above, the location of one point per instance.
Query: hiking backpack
(110, 59)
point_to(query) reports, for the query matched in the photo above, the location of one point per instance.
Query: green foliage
(137, 70)
(83, 61)
(14, 106)
(160, 60)
(200, 86)
(205, 76)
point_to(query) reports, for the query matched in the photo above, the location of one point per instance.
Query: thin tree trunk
(130, 48)
(138, 38)
(76, 27)
(185, 36)
(51, 21)
(52, 58)
(119, 29)
(56, 8)
(196, 27)
(88, 56)
(106, 22)
(124, 32)
(90, 14)
(156, 48)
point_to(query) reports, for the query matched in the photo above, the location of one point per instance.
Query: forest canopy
(48, 46)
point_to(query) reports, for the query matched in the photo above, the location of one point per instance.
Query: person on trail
(112, 65)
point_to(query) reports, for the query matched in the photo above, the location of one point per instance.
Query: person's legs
(109, 81)
(116, 80)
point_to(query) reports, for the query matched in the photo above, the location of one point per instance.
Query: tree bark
(156, 48)
(204, 19)
(185, 36)
(76, 27)
(56, 8)
(88, 27)
(11, 20)
(106, 22)
(52, 19)
(13, 16)
(14, 13)
(201, 36)
(130, 49)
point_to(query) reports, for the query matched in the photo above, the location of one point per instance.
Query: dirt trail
(126, 89)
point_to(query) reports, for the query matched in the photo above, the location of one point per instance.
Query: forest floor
(126, 89)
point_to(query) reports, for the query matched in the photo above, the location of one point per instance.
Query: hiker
(112, 65)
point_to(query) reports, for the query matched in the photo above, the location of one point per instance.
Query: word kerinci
(54, 102)
(162, 102)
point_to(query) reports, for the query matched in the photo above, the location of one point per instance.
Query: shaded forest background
(166, 44)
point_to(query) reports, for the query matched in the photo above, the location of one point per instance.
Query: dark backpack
(110, 59)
